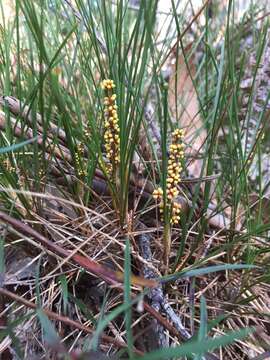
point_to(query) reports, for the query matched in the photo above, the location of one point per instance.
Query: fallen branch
(18, 108)
(156, 295)
(101, 271)
(60, 151)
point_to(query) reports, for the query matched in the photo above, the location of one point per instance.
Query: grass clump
(90, 262)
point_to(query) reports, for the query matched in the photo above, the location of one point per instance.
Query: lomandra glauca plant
(169, 207)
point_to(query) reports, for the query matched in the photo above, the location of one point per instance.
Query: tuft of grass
(54, 178)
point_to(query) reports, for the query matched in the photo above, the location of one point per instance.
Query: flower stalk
(169, 208)
(112, 142)
(112, 130)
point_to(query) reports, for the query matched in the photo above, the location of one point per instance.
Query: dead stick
(95, 268)
(17, 108)
(60, 152)
(157, 295)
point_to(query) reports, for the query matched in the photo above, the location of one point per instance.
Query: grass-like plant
(93, 130)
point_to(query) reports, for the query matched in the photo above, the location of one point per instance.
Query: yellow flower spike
(174, 168)
(157, 193)
(111, 137)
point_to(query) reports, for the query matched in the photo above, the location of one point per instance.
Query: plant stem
(167, 245)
